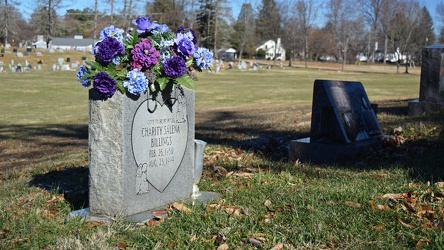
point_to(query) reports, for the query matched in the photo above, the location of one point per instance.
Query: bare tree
(388, 11)
(11, 20)
(371, 10)
(344, 21)
(306, 14)
(401, 31)
(245, 28)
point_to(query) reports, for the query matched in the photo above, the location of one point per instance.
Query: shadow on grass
(29, 132)
(71, 182)
(24, 145)
(251, 132)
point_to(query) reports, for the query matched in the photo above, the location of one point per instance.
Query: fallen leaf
(181, 207)
(121, 245)
(405, 223)
(160, 212)
(372, 205)
(382, 207)
(171, 243)
(352, 204)
(427, 224)
(422, 241)
(379, 227)
(233, 211)
(393, 196)
(267, 203)
(94, 223)
(193, 238)
(243, 174)
(155, 221)
(223, 247)
(425, 210)
(278, 247)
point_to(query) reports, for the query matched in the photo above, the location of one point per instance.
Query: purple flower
(184, 45)
(144, 23)
(175, 66)
(136, 83)
(189, 33)
(203, 58)
(107, 49)
(80, 73)
(104, 84)
(144, 54)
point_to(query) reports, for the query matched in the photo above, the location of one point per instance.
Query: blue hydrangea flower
(80, 73)
(166, 43)
(161, 28)
(137, 82)
(203, 58)
(116, 60)
(110, 31)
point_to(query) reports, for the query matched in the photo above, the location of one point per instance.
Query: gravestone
(19, 54)
(431, 89)
(343, 124)
(38, 53)
(141, 152)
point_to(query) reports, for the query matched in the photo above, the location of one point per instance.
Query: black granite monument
(343, 124)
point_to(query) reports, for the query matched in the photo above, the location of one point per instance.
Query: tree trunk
(407, 62)
(385, 49)
(306, 51)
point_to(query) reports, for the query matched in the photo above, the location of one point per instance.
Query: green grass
(248, 118)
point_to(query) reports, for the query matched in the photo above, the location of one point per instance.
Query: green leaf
(163, 82)
(186, 81)
(189, 62)
(95, 65)
(120, 87)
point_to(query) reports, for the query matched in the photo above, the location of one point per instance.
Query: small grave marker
(343, 123)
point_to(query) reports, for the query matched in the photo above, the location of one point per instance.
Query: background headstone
(342, 113)
(431, 89)
(343, 124)
(141, 152)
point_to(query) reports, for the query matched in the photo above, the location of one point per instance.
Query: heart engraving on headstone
(159, 139)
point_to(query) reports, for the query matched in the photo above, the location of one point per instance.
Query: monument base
(417, 107)
(305, 151)
(143, 216)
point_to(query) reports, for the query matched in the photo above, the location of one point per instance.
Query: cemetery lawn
(390, 199)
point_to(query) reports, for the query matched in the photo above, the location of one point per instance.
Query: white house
(227, 54)
(40, 43)
(273, 49)
(76, 43)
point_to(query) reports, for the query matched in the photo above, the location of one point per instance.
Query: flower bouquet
(149, 56)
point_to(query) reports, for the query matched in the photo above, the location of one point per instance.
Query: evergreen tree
(169, 12)
(245, 30)
(268, 23)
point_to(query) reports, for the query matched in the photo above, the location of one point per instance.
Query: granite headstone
(431, 89)
(141, 151)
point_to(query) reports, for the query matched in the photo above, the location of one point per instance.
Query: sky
(27, 7)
